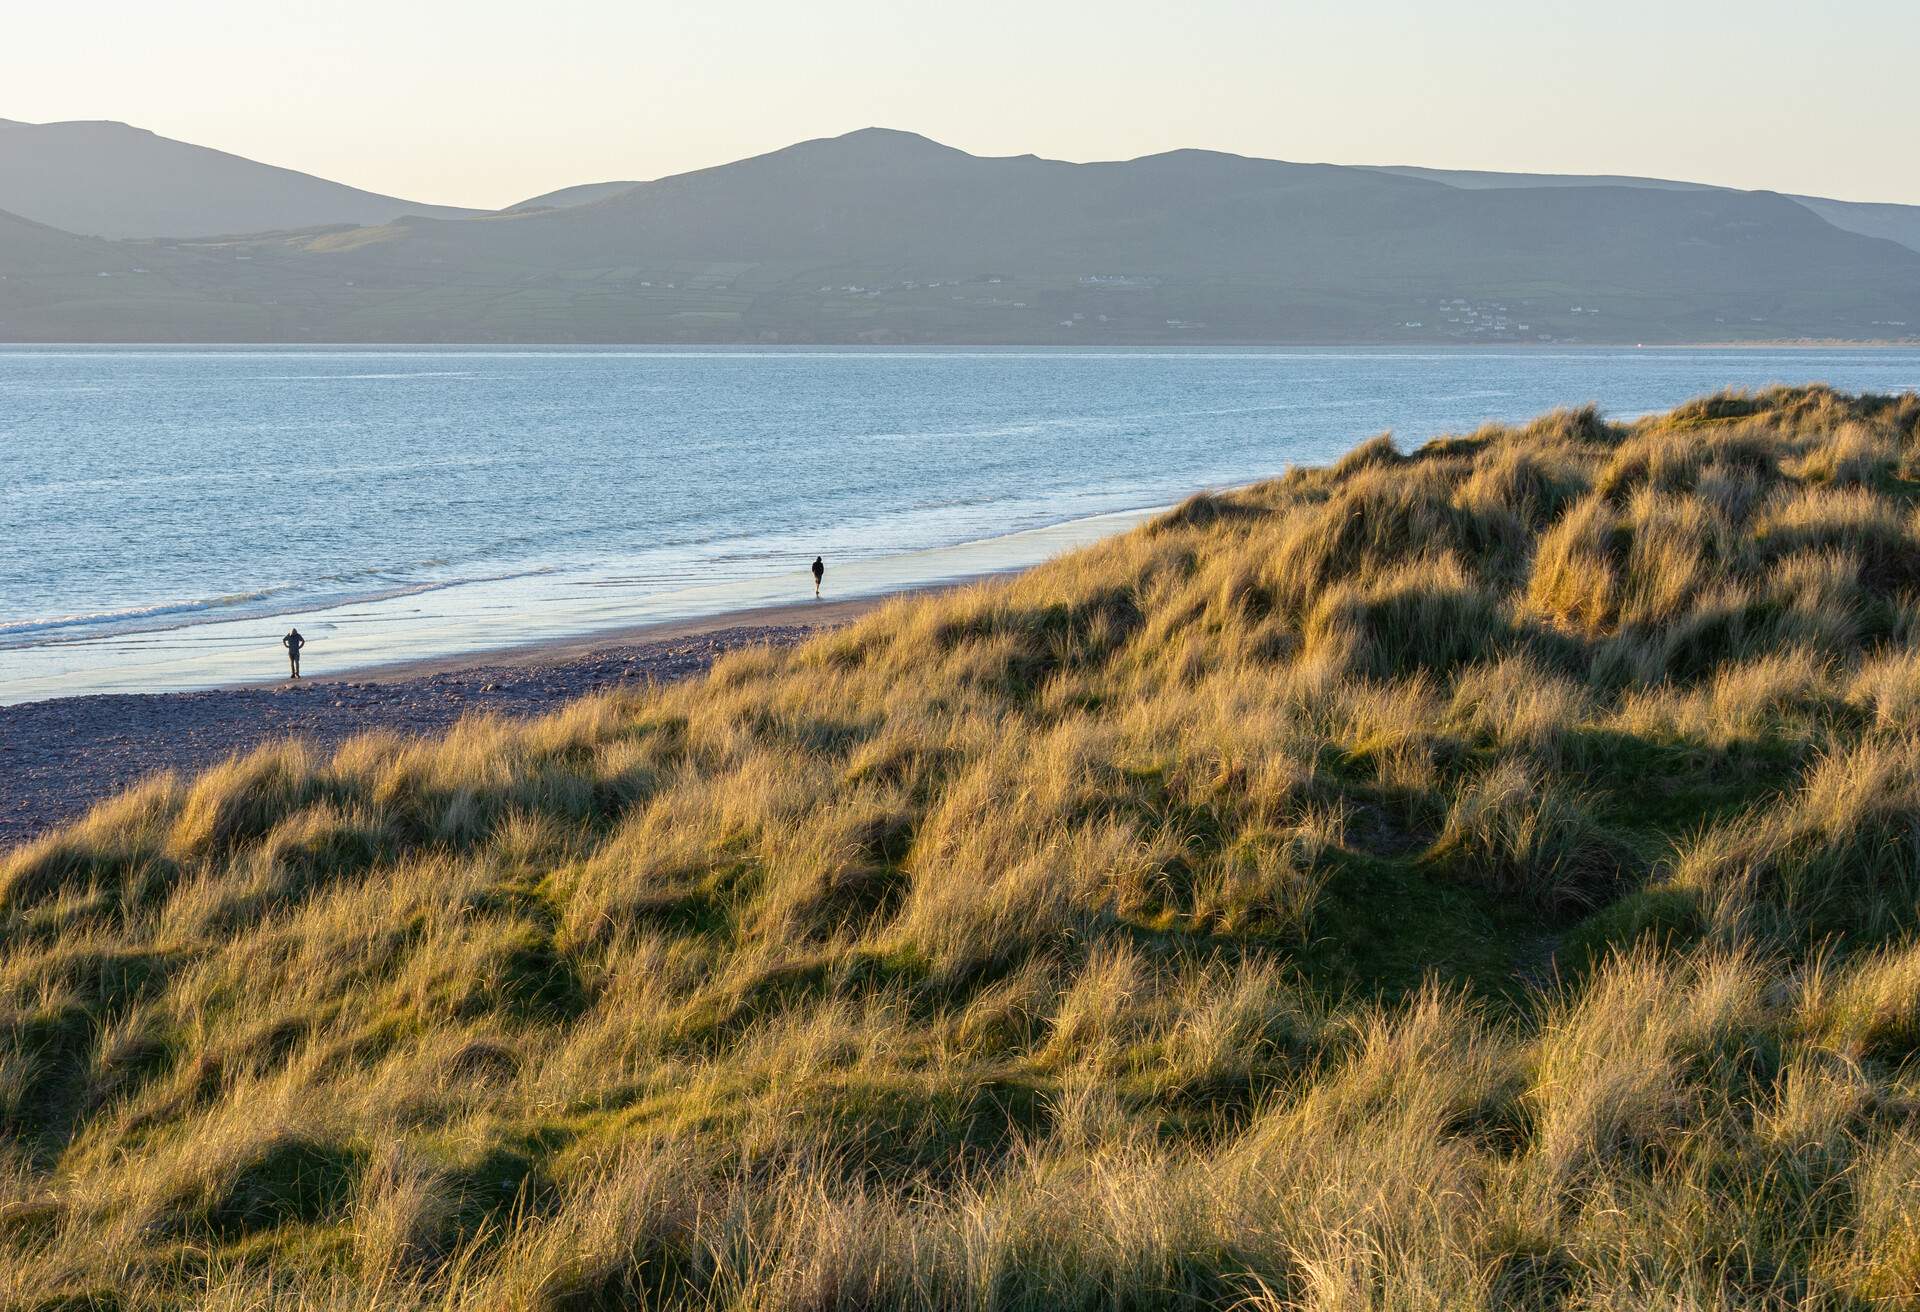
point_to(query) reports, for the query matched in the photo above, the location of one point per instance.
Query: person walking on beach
(293, 642)
(819, 572)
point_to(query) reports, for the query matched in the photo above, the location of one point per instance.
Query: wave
(264, 603)
(131, 614)
(246, 475)
(354, 378)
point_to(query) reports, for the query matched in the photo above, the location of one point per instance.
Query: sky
(487, 102)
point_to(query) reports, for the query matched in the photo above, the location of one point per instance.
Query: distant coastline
(1372, 344)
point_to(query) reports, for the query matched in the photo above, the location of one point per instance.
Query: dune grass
(1485, 877)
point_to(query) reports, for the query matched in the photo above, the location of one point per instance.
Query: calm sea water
(166, 514)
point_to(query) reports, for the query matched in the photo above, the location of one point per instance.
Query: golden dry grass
(1485, 877)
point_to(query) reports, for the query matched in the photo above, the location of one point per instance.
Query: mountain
(585, 193)
(892, 236)
(111, 180)
(886, 236)
(1899, 223)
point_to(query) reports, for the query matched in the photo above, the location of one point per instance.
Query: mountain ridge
(888, 236)
(1899, 223)
(166, 188)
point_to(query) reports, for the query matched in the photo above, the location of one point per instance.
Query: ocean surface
(165, 515)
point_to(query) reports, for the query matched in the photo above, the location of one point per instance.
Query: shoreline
(812, 615)
(62, 755)
(141, 635)
(496, 622)
(1145, 344)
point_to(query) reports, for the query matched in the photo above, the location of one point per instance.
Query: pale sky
(486, 102)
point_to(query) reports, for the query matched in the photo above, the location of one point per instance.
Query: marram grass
(1485, 877)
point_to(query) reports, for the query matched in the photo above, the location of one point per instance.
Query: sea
(167, 514)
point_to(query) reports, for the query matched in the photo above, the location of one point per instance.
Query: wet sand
(800, 616)
(59, 757)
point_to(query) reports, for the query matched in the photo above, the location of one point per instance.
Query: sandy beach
(60, 756)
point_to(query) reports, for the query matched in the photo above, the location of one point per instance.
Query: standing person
(293, 642)
(819, 572)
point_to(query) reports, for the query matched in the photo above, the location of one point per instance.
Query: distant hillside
(1487, 179)
(1899, 223)
(882, 236)
(111, 180)
(55, 286)
(584, 194)
(28, 249)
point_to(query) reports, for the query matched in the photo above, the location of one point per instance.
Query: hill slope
(55, 286)
(1900, 223)
(583, 194)
(110, 180)
(1485, 877)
